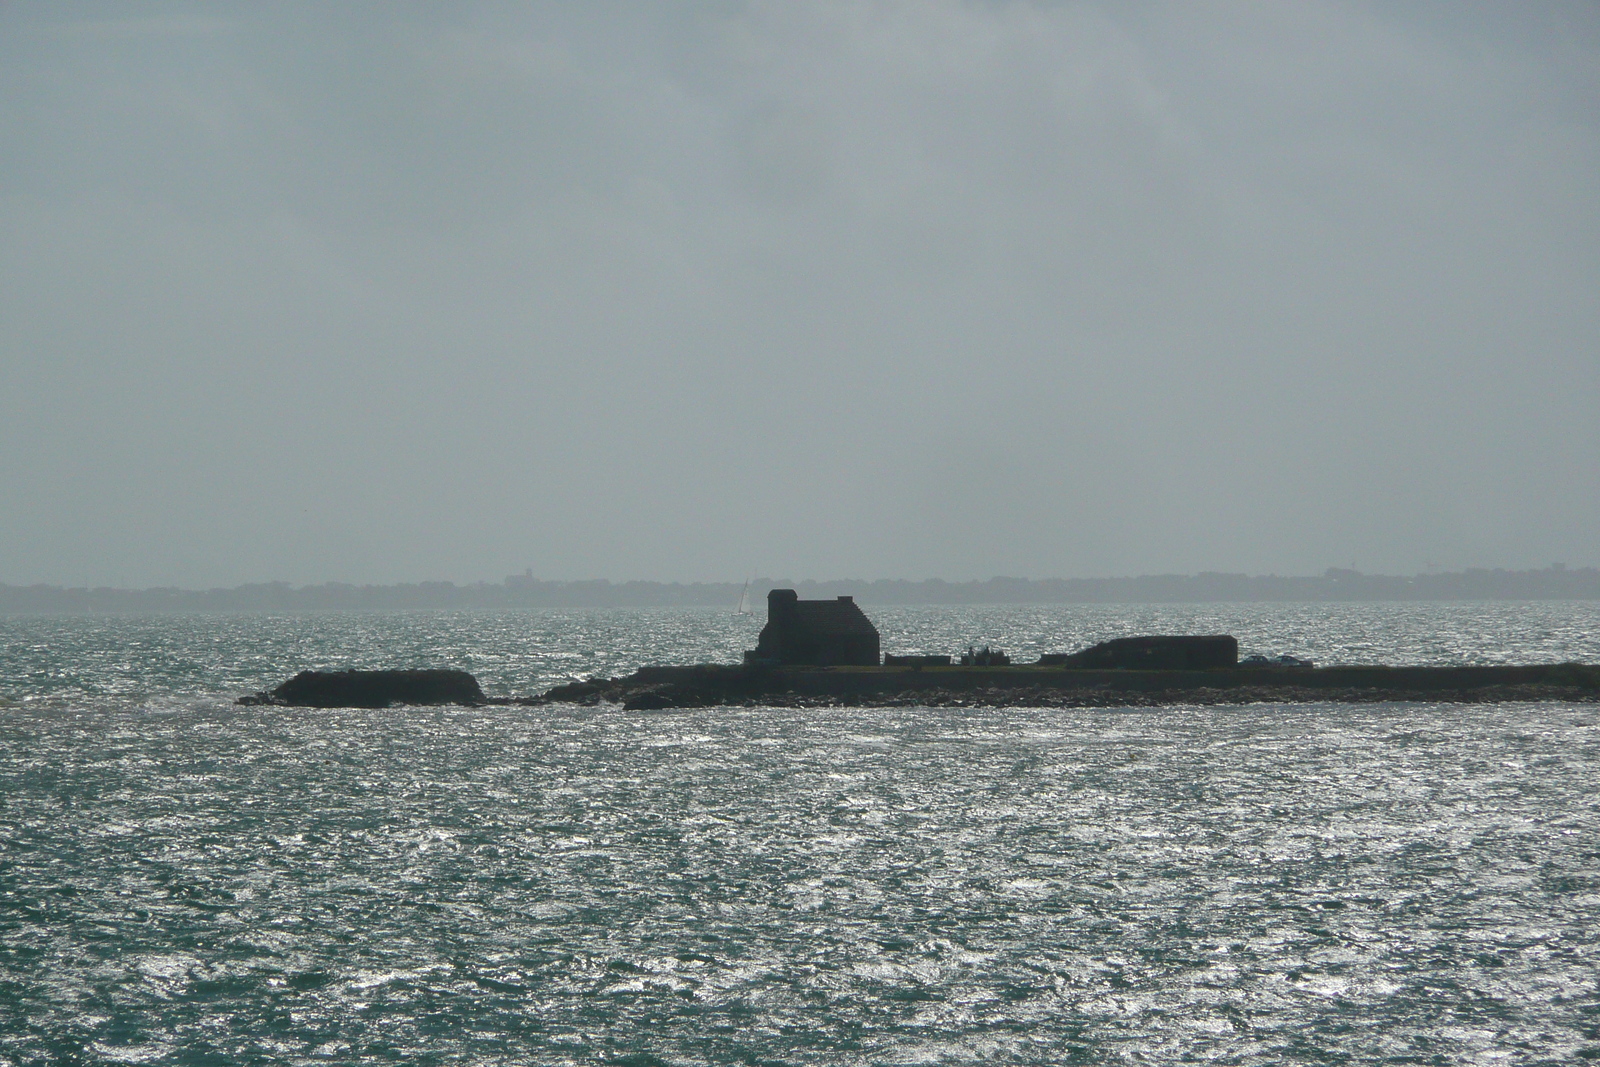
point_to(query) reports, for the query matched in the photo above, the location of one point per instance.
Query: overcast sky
(386, 293)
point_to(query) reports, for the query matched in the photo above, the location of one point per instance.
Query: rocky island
(826, 653)
(1032, 685)
(372, 689)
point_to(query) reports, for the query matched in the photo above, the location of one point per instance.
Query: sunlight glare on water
(187, 881)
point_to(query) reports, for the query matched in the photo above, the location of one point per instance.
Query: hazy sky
(697, 291)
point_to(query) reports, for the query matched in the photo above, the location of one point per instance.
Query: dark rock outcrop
(1158, 653)
(664, 688)
(372, 689)
(649, 700)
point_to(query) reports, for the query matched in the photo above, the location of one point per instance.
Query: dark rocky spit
(657, 688)
(664, 688)
(372, 689)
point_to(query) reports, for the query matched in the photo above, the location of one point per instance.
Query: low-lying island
(1032, 685)
(653, 688)
(826, 652)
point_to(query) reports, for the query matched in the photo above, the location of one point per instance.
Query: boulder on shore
(372, 689)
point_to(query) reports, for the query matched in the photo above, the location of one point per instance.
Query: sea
(184, 880)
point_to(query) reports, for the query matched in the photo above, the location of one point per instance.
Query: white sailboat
(744, 600)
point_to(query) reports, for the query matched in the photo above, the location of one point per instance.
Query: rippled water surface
(187, 881)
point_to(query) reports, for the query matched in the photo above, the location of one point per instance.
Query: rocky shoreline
(1071, 698)
(665, 688)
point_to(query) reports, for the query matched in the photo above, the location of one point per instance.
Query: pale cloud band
(388, 292)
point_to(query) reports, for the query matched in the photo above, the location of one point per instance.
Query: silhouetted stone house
(818, 633)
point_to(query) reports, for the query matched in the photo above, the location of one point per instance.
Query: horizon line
(528, 578)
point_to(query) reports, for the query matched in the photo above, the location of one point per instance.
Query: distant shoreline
(526, 593)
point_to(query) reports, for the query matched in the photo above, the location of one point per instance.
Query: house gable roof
(840, 618)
